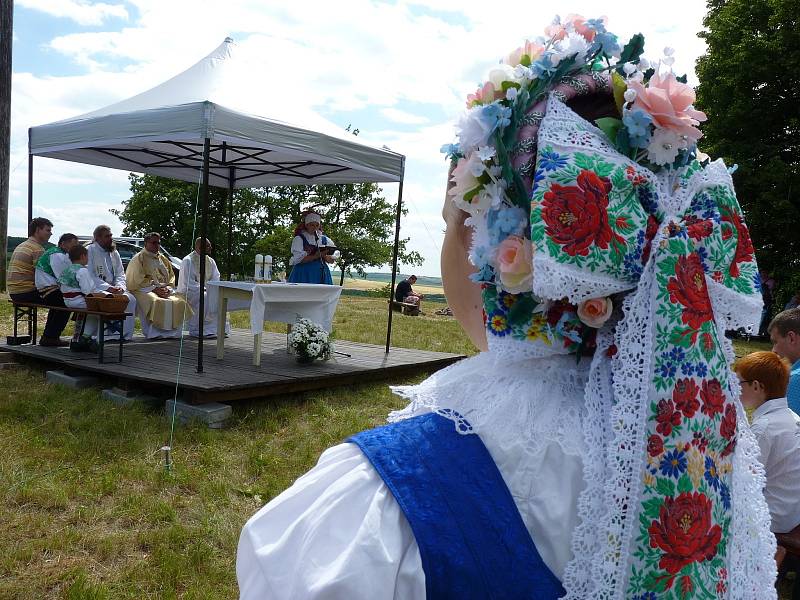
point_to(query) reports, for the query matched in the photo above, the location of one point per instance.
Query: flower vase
(304, 360)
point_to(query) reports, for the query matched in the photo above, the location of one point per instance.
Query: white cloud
(80, 11)
(344, 60)
(401, 116)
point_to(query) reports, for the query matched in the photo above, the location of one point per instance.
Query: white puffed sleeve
(336, 533)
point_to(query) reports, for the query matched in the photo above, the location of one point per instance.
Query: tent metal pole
(30, 181)
(231, 180)
(203, 236)
(395, 251)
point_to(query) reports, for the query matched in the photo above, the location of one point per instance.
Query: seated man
(151, 280)
(763, 377)
(105, 265)
(21, 280)
(189, 287)
(405, 293)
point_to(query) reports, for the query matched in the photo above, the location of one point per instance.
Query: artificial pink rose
(486, 94)
(595, 312)
(669, 102)
(531, 49)
(515, 263)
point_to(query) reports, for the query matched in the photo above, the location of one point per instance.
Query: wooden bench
(29, 311)
(406, 308)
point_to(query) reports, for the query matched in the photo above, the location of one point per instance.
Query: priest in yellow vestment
(151, 280)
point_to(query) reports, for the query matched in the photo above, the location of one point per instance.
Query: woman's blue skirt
(314, 271)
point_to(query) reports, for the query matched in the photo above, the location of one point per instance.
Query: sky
(398, 70)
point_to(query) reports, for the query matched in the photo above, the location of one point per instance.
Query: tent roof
(162, 131)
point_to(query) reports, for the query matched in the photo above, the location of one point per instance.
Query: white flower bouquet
(309, 341)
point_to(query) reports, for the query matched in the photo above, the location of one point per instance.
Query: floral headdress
(567, 214)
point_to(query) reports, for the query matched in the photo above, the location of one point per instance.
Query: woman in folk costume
(597, 448)
(189, 287)
(151, 280)
(310, 256)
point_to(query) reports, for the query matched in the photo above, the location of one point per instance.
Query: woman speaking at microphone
(311, 250)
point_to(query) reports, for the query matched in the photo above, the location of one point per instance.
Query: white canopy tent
(197, 126)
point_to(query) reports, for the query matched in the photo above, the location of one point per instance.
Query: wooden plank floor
(156, 364)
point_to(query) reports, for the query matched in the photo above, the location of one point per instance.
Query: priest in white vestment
(152, 280)
(189, 287)
(105, 265)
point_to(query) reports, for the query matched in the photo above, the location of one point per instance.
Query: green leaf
(683, 78)
(583, 161)
(683, 337)
(619, 86)
(610, 127)
(665, 487)
(520, 311)
(632, 51)
(685, 484)
(651, 508)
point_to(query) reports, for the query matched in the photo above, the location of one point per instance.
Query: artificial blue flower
(450, 150)
(638, 123)
(673, 463)
(597, 25)
(511, 221)
(484, 275)
(551, 161)
(480, 256)
(567, 332)
(495, 115)
(543, 67)
(606, 43)
(712, 475)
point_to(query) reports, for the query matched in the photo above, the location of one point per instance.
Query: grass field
(87, 510)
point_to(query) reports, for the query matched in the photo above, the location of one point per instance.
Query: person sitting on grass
(52, 263)
(405, 293)
(76, 282)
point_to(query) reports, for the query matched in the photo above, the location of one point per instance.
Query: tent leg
(395, 252)
(30, 183)
(231, 180)
(204, 236)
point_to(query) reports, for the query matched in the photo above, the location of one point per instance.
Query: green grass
(87, 510)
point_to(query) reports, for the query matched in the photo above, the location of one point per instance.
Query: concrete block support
(213, 414)
(76, 382)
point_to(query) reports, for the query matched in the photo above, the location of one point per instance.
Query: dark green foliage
(749, 90)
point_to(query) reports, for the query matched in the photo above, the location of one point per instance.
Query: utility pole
(6, 37)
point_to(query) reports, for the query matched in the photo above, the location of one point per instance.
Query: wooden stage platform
(152, 365)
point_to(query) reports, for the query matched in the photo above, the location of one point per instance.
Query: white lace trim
(751, 561)
(554, 281)
(511, 350)
(534, 402)
(592, 510)
(732, 309)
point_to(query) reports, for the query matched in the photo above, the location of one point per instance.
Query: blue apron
(471, 537)
(314, 271)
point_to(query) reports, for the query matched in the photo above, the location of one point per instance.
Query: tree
(750, 89)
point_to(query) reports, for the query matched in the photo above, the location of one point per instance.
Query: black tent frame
(229, 164)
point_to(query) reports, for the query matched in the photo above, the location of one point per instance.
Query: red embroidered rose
(744, 245)
(684, 531)
(655, 445)
(685, 397)
(727, 428)
(688, 288)
(712, 397)
(729, 448)
(576, 216)
(666, 417)
(649, 234)
(698, 228)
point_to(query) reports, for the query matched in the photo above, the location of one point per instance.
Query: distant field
(367, 284)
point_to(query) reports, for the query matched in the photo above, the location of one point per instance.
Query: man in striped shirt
(21, 282)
